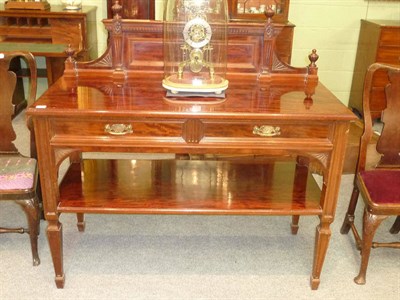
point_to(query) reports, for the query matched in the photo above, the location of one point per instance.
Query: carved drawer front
(191, 131)
(120, 128)
(266, 129)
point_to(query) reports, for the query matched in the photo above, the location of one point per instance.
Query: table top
(146, 97)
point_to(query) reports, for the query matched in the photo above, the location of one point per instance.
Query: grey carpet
(193, 257)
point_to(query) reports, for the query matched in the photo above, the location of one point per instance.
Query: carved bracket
(193, 131)
(271, 64)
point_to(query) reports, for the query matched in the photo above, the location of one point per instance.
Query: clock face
(197, 33)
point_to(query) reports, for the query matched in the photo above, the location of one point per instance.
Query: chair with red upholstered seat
(379, 184)
(18, 173)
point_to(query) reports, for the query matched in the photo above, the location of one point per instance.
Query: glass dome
(71, 4)
(195, 46)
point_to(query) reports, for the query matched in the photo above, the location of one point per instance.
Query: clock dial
(197, 33)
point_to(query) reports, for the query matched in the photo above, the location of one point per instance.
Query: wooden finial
(313, 57)
(70, 52)
(116, 9)
(269, 13)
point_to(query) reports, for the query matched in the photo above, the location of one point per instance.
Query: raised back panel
(135, 49)
(144, 48)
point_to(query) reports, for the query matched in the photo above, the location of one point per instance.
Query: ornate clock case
(195, 46)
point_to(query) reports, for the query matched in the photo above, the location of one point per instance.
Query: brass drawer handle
(265, 130)
(118, 129)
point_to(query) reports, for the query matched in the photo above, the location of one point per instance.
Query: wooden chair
(379, 185)
(18, 173)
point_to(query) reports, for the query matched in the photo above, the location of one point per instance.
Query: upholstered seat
(383, 186)
(18, 174)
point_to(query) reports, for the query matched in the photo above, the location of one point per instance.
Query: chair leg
(370, 224)
(349, 218)
(31, 209)
(396, 226)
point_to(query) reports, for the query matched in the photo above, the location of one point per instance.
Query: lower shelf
(189, 187)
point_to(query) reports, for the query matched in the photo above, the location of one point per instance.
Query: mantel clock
(195, 46)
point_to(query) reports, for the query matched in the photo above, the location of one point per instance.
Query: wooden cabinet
(379, 41)
(47, 33)
(239, 10)
(134, 9)
(50, 27)
(253, 10)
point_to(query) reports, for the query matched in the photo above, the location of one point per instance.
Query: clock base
(216, 86)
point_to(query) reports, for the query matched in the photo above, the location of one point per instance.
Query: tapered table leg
(54, 235)
(323, 234)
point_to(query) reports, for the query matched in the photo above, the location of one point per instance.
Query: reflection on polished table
(258, 144)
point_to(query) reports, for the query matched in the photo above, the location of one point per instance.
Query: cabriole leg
(31, 209)
(370, 224)
(396, 226)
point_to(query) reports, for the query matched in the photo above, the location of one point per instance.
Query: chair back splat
(389, 142)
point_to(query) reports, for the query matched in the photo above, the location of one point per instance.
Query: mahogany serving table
(137, 117)
(254, 147)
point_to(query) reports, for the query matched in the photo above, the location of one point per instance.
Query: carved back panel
(135, 49)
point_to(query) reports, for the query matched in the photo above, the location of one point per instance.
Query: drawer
(265, 129)
(189, 130)
(111, 127)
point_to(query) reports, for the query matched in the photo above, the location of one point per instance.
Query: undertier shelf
(189, 187)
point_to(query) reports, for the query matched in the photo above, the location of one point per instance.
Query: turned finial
(116, 9)
(269, 13)
(70, 52)
(313, 57)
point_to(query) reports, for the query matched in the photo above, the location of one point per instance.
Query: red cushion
(383, 185)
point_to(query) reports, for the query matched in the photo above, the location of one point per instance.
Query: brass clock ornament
(197, 33)
(195, 46)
